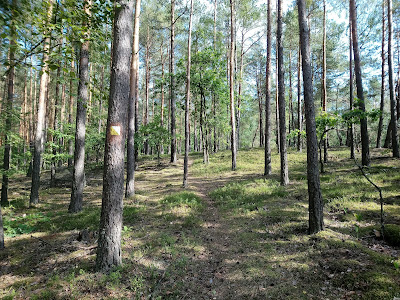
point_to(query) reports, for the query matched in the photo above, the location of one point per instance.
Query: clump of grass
(183, 199)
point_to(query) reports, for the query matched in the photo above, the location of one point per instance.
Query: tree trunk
(172, 86)
(260, 110)
(267, 152)
(133, 96)
(109, 245)
(281, 100)
(187, 102)
(299, 109)
(365, 160)
(41, 118)
(393, 110)
(8, 112)
(78, 181)
(382, 105)
(162, 93)
(232, 85)
(70, 116)
(315, 208)
(324, 91)
(147, 87)
(351, 82)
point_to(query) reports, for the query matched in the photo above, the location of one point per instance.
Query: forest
(200, 149)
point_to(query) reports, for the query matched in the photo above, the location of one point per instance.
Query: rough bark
(365, 158)
(41, 118)
(393, 110)
(187, 101)
(78, 181)
(133, 95)
(315, 208)
(109, 242)
(70, 117)
(232, 85)
(172, 84)
(281, 100)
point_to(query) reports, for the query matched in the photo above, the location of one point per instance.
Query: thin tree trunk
(187, 102)
(324, 91)
(393, 110)
(382, 105)
(41, 118)
(351, 82)
(78, 181)
(365, 160)
(239, 97)
(315, 208)
(162, 93)
(109, 242)
(267, 153)
(281, 100)
(70, 116)
(299, 110)
(55, 127)
(133, 96)
(172, 86)
(232, 85)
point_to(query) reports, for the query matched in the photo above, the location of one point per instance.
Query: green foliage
(24, 224)
(183, 198)
(152, 133)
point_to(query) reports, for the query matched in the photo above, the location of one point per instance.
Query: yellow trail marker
(115, 130)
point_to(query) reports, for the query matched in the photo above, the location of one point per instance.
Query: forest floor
(229, 235)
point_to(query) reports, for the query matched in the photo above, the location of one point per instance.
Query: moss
(392, 234)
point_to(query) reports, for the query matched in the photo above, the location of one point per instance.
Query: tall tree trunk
(172, 85)
(351, 83)
(393, 110)
(78, 181)
(41, 118)
(365, 160)
(382, 105)
(260, 110)
(315, 208)
(239, 97)
(281, 100)
(214, 96)
(55, 127)
(162, 93)
(278, 145)
(324, 91)
(109, 242)
(232, 85)
(133, 96)
(8, 112)
(267, 152)
(299, 109)
(70, 116)
(187, 102)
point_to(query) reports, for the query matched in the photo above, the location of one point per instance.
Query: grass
(230, 235)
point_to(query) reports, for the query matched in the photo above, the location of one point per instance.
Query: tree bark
(365, 159)
(299, 109)
(324, 91)
(172, 85)
(78, 181)
(8, 112)
(382, 105)
(232, 85)
(351, 82)
(41, 118)
(281, 100)
(267, 150)
(109, 243)
(133, 96)
(187, 102)
(70, 116)
(315, 207)
(393, 110)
